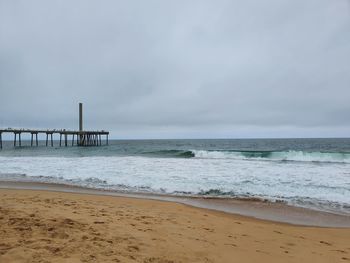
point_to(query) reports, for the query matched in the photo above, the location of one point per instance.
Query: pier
(79, 138)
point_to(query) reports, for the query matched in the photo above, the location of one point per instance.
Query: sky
(177, 69)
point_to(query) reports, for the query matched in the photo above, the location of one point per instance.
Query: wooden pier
(83, 138)
(79, 138)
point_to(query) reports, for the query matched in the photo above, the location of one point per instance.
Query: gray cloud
(178, 68)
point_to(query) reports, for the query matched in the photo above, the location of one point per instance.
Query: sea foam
(301, 156)
(325, 185)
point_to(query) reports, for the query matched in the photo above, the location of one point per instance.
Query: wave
(171, 153)
(299, 156)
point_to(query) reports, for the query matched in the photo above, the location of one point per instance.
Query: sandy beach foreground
(44, 226)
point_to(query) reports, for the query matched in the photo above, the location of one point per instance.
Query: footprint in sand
(263, 252)
(341, 251)
(209, 229)
(133, 248)
(233, 245)
(325, 243)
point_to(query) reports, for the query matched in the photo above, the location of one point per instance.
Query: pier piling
(36, 138)
(19, 138)
(47, 138)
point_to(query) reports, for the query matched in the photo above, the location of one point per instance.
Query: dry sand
(43, 226)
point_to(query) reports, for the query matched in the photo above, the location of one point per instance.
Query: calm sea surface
(312, 173)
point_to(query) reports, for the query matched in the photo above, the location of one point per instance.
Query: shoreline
(256, 209)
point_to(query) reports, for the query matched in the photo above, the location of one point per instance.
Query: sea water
(313, 173)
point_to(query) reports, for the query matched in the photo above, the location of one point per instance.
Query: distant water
(312, 173)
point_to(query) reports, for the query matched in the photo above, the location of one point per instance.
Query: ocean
(312, 173)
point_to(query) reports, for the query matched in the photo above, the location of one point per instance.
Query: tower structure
(81, 137)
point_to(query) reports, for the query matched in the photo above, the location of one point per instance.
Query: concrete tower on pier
(80, 117)
(81, 136)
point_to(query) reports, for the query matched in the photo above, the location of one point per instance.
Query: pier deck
(83, 138)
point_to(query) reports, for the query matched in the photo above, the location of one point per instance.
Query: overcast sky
(178, 69)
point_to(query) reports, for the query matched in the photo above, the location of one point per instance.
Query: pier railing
(83, 138)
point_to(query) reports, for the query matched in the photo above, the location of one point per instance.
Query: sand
(44, 226)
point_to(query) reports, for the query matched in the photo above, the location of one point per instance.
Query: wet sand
(278, 212)
(56, 226)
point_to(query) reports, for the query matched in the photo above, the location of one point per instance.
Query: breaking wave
(171, 153)
(299, 156)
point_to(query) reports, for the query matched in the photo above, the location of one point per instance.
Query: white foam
(300, 156)
(327, 182)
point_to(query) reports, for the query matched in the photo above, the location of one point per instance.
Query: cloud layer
(178, 68)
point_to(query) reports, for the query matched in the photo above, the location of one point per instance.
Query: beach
(174, 131)
(177, 201)
(56, 226)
